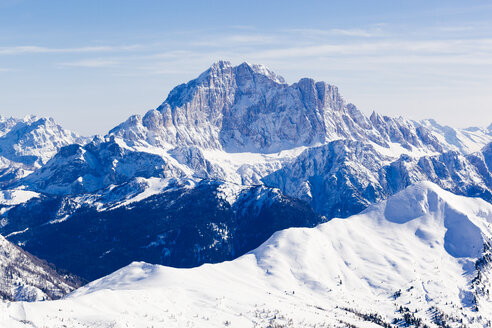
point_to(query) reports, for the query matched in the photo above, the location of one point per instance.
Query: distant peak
(263, 70)
(30, 118)
(218, 68)
(222, 66)
(375, 117)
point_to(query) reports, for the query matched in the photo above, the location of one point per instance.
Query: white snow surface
(249, 168)
(422, 242)
(32, 136)
(16, 196)
(464, 140)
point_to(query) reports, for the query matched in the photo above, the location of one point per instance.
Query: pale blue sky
(90, 64)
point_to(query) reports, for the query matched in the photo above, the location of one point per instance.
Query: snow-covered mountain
(248, 108)
(239, 124)
(239, 131)
(343, 177)
(27, 144)
(24, 277)
(466, 141)
(422, 258)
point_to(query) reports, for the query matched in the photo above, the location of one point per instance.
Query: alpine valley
(244, 201)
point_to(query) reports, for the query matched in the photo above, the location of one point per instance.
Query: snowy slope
(424, 254)
(464, 140)
(24, 277)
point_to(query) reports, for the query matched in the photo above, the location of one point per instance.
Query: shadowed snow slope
(424, 254)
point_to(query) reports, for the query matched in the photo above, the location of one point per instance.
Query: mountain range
(228, 160)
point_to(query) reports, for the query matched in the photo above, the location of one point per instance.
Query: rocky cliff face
(247, 108)
(80, 169)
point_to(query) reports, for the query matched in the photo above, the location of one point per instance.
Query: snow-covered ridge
(28, 143)
(467, 141)
(15, 197)
(33, 140)
(416, 256)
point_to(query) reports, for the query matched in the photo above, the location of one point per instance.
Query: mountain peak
(221, 63)
(262, 70)
(250, 108)
(223, 68)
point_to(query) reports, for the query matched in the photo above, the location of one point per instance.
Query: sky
(91, 64)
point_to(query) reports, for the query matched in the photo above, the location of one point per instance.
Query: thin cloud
(356, 32)
(172, 54)
(91, 63)
(244, 27)
(15, 50)
(237, 40)
(376, 55)
(383, 48)
(455, 28)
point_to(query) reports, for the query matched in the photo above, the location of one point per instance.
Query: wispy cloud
(383, 48)
(16, 50)
(453, 29)
(91, 63)
(353, 32)
(237, 40)
(244, 27)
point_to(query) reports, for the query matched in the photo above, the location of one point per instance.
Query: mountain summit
(250, 108)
